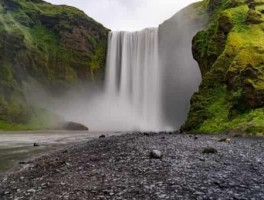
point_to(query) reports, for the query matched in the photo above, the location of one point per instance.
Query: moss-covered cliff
(230, 53)
(58, 46)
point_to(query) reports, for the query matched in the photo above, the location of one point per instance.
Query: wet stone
(209, 150)
(120, 167)
(155, 154)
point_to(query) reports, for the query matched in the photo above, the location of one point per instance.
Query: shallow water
(18, 146)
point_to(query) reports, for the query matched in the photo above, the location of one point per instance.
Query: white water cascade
(133, 76)
(149, 80)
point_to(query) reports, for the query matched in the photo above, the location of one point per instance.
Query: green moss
(251, 121)
(230, 55)
(98, 58)
(238, 16)
(41, 119)
(6, 77)
(58, 46)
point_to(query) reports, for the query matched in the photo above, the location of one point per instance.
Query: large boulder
(74, 126)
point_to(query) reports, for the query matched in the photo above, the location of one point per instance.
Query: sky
(128, 15)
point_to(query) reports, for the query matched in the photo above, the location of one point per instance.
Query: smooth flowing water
(133, 76)
(149, 80)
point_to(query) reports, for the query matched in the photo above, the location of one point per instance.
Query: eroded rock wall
(57, 46)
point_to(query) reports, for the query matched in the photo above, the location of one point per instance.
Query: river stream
(17, 147)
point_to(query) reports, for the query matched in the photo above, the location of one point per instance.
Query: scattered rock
(235, 133)
(62, 184)
(65, 151)
(198, 193)
(149, 134)
(146, 134)
(209, 150)
(94, 158)
(102, 136)
(25, 162)
(155, 154)
(36, 145)
(225, 140)
(131, 166)
(6, 192)
(31, 190)
(73, 126)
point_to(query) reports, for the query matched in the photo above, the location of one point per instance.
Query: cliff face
(181, 76)
(230, 53)
(58, 46)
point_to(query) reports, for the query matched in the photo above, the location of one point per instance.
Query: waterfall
(149, 80)
(133, 76)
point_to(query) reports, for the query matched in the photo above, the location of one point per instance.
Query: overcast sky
(128, 15)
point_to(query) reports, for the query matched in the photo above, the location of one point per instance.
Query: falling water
(133, 75)
(150, 78)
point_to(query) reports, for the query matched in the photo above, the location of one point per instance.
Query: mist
(163, 101)
(181, 74)
(89, 105)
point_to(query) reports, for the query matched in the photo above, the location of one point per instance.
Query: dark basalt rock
(209, 150)
(11, 5)
(127, 173)
(36, 145)
(225, 23)
(25, 162)
(254, 17)
(74, 126)
(155, 154)
(225, 140)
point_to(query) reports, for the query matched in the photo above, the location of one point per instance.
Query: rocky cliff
(181, 75)
(230, 53)
(57, 46)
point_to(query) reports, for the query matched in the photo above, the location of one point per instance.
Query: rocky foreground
(126, 167)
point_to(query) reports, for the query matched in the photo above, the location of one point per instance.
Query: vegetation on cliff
(230, 53)
(58, 46)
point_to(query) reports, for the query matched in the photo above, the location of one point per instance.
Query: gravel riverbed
(120, 167)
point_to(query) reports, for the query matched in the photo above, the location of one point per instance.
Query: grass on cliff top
(50, 9)
(46, 45)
